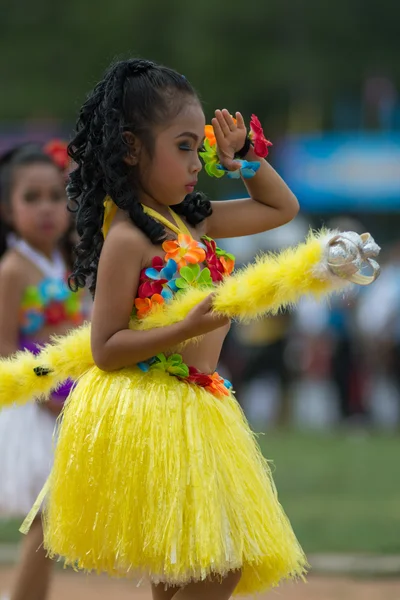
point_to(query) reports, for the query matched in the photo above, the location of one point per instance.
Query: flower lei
(180, 269)
(247, 169)
(174, 365)
(51, 303)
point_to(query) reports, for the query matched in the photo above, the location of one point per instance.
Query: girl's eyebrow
(189, 134)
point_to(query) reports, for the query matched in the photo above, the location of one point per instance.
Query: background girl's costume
(26, 432)
(156, 471)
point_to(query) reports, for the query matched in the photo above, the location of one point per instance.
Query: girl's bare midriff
(204, 354)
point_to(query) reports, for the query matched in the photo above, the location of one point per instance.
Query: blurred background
(321, 382)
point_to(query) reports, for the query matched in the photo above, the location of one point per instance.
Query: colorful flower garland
(51, 302)
(180, 269)
(248, 169)
(174, 365)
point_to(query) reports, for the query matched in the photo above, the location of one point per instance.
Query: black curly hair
(134, 95)
(26, 155)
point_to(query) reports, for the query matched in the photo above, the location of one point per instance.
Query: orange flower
(144, 305)
(217, 386)
(228, 264)
(210, 135)
(184, 250)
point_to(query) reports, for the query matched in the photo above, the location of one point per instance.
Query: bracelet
(247, 145)
(248, 169)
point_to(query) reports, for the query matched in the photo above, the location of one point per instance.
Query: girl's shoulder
(13, 266)
(14, 275)
(125, 243)
(125, 233)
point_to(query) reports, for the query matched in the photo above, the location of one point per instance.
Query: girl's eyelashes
(187, 147)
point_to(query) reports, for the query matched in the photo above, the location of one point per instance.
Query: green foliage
(263, 57)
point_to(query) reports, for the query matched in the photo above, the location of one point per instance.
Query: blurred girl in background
(35, 302)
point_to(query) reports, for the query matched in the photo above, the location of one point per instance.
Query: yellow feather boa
(272, 282)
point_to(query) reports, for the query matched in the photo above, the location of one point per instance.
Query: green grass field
(341, 492)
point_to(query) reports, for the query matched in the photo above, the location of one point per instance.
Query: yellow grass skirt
(157, 477)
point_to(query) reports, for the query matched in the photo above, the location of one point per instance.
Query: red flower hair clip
(57, 150)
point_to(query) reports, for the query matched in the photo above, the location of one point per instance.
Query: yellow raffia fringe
(156, 477)
(271, 283)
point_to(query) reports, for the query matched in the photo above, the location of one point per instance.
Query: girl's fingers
(228, 119)
(217, 131)
(240, 120)
(222, 122)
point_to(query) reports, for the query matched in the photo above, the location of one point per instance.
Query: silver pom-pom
(348, 253)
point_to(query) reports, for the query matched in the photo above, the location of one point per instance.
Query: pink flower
(57, 150)
(55, 313)
(195, 376)
(147, 286)
(212, 260)
(260, 142)
(219, 262)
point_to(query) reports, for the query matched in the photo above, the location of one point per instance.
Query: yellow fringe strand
(157, 477)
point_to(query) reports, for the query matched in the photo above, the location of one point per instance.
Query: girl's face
(171, 173)
(38, 205)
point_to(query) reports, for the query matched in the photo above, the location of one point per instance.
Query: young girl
(34, 302)
(156, 472)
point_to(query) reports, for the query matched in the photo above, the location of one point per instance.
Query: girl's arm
(271, 203)
(113, 344)
(11, 290)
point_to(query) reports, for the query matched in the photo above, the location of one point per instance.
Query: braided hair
(26, 155)
(134, 95)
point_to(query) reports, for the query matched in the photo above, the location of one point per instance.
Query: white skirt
(26, 456)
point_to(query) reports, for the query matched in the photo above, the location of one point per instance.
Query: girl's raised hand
(230, 136)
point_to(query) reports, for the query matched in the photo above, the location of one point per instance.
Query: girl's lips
(47, 226)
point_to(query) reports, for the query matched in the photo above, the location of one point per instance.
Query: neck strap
(54, 268)
(110, 209)
(180, 226)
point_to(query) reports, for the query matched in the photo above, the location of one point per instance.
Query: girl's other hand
(201, 319)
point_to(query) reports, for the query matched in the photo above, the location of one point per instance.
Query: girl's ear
(134, 147)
